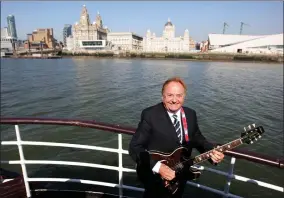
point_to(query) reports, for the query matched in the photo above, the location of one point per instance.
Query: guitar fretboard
(223, 148)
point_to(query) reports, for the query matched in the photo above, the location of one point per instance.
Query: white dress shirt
(157, 166)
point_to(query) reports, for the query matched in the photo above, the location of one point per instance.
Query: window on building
(92, 43)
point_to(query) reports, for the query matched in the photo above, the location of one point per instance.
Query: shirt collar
(177, 113)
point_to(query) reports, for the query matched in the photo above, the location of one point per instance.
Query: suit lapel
(165, 118)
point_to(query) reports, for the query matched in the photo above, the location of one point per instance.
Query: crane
(224, 28)
(242, 24)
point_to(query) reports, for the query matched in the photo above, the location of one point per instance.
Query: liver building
(168, 42)
(86, 31)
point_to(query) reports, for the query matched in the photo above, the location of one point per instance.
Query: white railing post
(120, 173)
(229, 174)
(22, 160)
(229, 178)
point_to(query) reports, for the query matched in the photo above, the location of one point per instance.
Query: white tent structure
(266, 44)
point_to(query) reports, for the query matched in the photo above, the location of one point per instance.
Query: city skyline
(200, 18)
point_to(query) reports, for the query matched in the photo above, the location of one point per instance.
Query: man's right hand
(166, 172)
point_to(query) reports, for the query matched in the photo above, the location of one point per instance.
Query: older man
(162, 129)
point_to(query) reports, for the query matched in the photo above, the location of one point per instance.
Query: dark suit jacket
(156, 132)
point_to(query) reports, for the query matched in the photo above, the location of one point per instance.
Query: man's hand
(166, 172)
(217, 156)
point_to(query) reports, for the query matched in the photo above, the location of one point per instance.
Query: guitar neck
(205, 156)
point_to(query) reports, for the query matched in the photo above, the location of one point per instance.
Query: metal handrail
(82, 123)
(116, 129)
(237, 153)
(84, 164)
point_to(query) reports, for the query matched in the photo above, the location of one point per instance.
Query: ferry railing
(234, 154)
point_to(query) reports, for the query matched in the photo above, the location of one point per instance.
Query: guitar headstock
(252, 133)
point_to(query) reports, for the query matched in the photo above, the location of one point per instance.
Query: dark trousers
(154, 186)
(159, 191)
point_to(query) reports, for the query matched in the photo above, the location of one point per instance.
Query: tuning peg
(249, 126)
(253, 125)
(245, 129)
(259, 136)
(255, 139)
(251, 142)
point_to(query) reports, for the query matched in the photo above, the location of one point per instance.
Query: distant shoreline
(174, 59)
(204, 57)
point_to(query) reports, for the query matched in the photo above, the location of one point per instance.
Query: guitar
(176, 160)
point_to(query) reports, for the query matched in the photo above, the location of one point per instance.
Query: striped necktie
(177, 127)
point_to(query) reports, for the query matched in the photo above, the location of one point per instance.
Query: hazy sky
(200, 18)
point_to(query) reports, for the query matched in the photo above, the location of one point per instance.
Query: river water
(226, 96)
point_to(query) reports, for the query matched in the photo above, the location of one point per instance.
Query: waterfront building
(258, 44)
(7, 42)
(67, 31)
(12, 26)
(126, 41)
(89, 36)
(168, 42)
(4, 32)
(41, 37)
(69, 43)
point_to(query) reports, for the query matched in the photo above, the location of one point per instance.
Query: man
(162, 128)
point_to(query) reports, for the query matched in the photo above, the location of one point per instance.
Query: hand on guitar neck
(217, 156)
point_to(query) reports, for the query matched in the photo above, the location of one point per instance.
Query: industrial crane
(224, 28)
(242, 24)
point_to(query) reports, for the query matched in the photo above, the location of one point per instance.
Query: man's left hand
(217, 156)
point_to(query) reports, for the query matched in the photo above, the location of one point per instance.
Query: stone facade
(84, 30)
(126, 41)
(69, 43)
(168, 42)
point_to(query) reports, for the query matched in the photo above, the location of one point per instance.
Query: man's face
(173, 96)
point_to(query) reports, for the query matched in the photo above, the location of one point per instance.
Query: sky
(199, 17)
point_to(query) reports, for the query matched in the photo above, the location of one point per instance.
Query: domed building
(168, 42)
